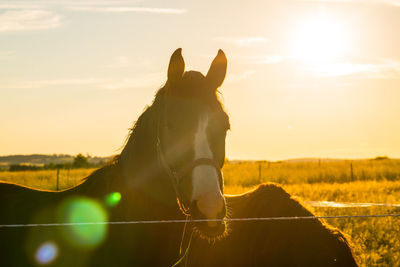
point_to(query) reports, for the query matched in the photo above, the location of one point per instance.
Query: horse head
(191, 140)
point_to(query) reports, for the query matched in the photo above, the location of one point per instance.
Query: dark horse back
(22, 245)
(123, 245)
(31, 244)
(273, 243)
(17, 206)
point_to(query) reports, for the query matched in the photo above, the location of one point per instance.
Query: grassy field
(376, 240)
(46, 179)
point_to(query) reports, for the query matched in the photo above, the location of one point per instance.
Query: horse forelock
(192, 85)
(193, 77)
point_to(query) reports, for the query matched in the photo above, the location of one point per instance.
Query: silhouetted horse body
(273, 243)
(170, 168)
(122, 245)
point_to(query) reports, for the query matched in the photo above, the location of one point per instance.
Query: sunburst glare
(321, 39)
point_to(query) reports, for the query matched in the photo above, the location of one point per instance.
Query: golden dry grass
(46, 179)
(376, 240)
(341, 171)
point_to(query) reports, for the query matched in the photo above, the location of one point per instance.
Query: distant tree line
(79, 161)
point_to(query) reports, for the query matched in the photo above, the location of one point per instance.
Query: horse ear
(217, 71)
(176, 66)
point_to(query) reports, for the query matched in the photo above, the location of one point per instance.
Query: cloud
(369, 68)
(152, 79)
(392, 2)
(56, 82)
(28, 20)
(235, 77)
(242, 41)
(260, 59)
(382, 70)
(125, 9)
(21, 5)
(343, 69)
(271, 59)
(383, 2)
(119, 62)
(4, 54)
(26, 16)
(90, 6)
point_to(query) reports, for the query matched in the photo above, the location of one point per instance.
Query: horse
(169, 169)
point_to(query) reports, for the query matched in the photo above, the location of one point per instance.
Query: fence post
(58, 178)
(351, 171)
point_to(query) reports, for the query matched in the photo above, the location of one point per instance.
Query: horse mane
(135, 152)
(140, 145)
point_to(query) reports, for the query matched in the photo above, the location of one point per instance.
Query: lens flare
(113, 199)
(46, 253)
(84, 210)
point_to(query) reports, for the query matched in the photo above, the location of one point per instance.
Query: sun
(319, 39)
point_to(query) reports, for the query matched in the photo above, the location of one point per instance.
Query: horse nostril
(222, 214)
(194, 211)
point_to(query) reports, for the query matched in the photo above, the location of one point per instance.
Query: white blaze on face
(206, 187)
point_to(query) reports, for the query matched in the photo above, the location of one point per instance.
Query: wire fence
(335, 204)
(200, 220)
(330, 204)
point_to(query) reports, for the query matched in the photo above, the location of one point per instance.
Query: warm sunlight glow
(321, 39)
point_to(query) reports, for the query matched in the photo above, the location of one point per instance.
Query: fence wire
(199, 220)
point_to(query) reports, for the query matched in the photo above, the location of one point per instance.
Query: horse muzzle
(209, 207)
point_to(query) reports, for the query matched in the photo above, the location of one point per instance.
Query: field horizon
(39, 158)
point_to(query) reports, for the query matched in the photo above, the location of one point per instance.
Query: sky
(306, 78)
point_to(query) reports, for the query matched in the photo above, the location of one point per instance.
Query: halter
(175, 176)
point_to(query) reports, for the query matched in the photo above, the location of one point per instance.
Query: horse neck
(139, 163)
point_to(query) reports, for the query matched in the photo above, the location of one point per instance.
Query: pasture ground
(376, 240)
